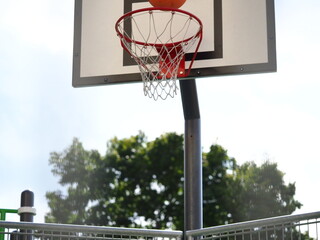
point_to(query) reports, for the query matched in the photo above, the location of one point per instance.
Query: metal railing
(3, 213)
(43, 231)
(291, 227)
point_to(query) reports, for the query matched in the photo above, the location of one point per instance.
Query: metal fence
(36, 231)
(292, 227)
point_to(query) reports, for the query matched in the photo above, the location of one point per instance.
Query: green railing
(3, 213)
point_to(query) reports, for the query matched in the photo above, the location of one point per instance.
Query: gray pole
(192, 156)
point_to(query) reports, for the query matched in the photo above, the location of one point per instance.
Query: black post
(192, 156)
(26, 212)
(14, 235)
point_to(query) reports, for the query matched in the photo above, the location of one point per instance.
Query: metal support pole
(192, 156)
(26, 212)
(3, 213)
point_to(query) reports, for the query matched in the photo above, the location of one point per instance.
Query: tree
(75, 167)
(262, 192)
(218, 171)
(140, 183)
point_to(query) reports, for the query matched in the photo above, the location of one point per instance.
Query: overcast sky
(273, 116)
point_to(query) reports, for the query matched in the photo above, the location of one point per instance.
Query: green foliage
(74, 166)
(218, 171)
(140, 183)
(262, 192)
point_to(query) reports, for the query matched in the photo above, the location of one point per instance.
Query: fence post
(3, 213)
(26, 212)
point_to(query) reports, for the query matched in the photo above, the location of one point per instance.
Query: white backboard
(239, 37)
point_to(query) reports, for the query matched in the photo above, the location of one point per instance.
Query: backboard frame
(269, 66)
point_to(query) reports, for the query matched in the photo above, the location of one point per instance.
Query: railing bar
(71, 235)
(95, 229)
(299, 232)
(310, 222)
(266, 233)
(273, 228)
(265, 228)
(317, 230)
(255, 223)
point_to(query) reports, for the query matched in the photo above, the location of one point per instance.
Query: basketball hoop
(158, 39)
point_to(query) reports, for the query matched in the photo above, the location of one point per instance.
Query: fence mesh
(296, 227)
(33, 231)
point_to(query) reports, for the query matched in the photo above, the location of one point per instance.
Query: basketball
(167, 3)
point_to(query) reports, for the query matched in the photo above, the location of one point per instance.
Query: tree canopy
(140, 183)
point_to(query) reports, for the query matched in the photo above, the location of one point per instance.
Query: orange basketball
(167, 3)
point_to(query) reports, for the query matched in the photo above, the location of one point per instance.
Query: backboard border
(270, 66)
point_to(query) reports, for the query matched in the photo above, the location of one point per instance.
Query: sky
(274, 116)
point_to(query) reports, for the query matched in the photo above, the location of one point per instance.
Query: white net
(158, 40)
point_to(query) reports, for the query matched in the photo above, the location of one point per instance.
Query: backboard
(238, 38)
